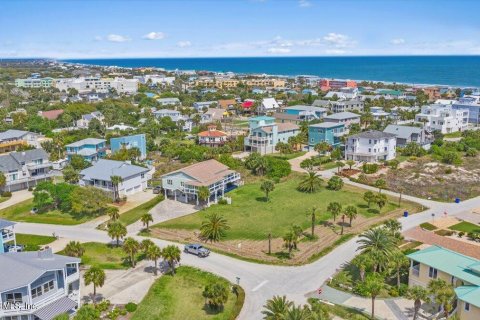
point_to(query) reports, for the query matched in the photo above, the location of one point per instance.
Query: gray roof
(342, 115)
(5, 224)
(12, 134)
(52, 310)
(103, 169)
(326, 125)
(86, 141)
(18, 269)
(322, 103)
(403, 132)
(305, 108)
(13, 160)
(373, 134)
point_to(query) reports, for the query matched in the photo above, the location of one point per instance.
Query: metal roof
(403, 132)
(86, 141)
(103, 169)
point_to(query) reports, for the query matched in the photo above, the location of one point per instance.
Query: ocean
(442, 70)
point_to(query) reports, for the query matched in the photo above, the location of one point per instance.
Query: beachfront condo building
(34, 83)
(97, 84)
(446, 119)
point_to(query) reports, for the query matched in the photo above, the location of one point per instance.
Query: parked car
(157, 190)
(197, 249)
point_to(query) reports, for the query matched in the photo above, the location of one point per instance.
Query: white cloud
(154, 36)
(397, 41)
(184, 44)
(304, 3)
(338, 40)
(278, 50)
(117, 38)
(335, 51)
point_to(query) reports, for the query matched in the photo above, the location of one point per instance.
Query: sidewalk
(17, 196)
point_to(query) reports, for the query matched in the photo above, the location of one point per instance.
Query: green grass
(465, 227)
(21, 212)
(287, 156)
(106, 256)
(179, 297)
(33, 242)
(330, 165)
(428, 226)
(346, 312)
(251, 217)
(457, 134)
(136, 213)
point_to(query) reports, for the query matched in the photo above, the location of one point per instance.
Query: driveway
(295, 162)
(17, 196)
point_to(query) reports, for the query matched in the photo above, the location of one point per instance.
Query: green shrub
(6, 194)
(370, 168)
(222, 201)
(131, 307)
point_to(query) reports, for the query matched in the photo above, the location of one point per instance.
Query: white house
(371, 146)
(268, 105)
(134, 178)
(85, 120)
(103, 85)
(437, 117)
(176, 117)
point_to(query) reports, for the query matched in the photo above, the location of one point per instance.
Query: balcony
(8, 236)
(30, 179)
(34, 166)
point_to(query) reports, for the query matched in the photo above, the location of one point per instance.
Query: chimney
(45, 253)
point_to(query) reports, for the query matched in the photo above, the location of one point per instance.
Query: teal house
(91, 149)
(329, 132)
(135, 141)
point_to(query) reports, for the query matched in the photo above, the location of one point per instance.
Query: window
(182, 183)
(432, 273)
(369, 141)
(14, 297)
(48, 286)
(467, 306)
(369, 149)
(169, 181)
(37, 292)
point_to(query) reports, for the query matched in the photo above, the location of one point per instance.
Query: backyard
(180, 297)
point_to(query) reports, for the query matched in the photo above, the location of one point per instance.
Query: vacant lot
(33, 242)
(179, 297)
(465, 227)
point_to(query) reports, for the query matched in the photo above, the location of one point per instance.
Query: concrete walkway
(295, 162)
(17, 196)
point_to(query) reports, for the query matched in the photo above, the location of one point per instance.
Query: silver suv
(197, 249)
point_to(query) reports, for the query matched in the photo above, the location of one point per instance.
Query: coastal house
(201, 105)
(25, 169)
(51, 114)
(38, 285)
(212, 137)
(268, 105)
(184, 122)
(445, 119)
(12, 140)
(329, 132)
(340, 106)
(90, 149)
(264, 134)
(183, 184)
(138, 141)
(346, 118)
(407, 134)
(227, 104)
(8, 242)
(305, 113)
(462, 272)
(85, 120)
(168, 101)
(333, 84)
(34, 82)
(134, 178)
(470, 103)
(213, 115)
(379, 114)
(371, 146)
(97, 84)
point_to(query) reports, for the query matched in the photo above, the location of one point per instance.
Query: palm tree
(380, 184)
(378, 243)
(298, 313)
(171, 254)
(146, 244)
(116, 180)
(261, 166)
(339, 164)
(311, 183)
(417, 294)
(214, 228)
(322, 147)
(334, 208)
(276, 308)
(96, 276)
(131, 247)
(116, 231)
(381, 200)
(267, 186)
(398, 260)
(444, 295)
(313, 219)
(373, 285)
(3, 180)
(350, 164)
(351, 213)
(74, 249)
(369, 197)
(113, 213)
(362, 262)
(146, 219)
(289, 241)
(154, 253)
(203, 193)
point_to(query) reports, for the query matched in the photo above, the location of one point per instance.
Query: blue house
(138, 141)
(308, 112)
(91, 149)
(329, 132)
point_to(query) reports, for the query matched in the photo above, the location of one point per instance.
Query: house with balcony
(446, 119)
(25, 169)
(212, 137)
(138, 141)
(8, 242)
(265, 133)
(461, 271)
(346, 118)
(305, 113)
(371, 146)
(99, 175)
(90, 149)
(175, 116)
(183, 184)
(38, 285)
(12, 140)
(329, 132)
(407, 134)
(341, 105)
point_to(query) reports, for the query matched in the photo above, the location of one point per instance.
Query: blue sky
(226, 28)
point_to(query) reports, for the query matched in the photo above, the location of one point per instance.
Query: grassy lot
(251, 217)
(180, 297)
(33, 242)
(106, 256)
(346, 312)
(465, 227)
(287, 156)
(428, 226)
(134, 214)
(21, 212)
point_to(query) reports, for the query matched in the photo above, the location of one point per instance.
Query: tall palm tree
(267, 186)
(131, 247)
(113, 213)
(351, 213)
(214, 228)
(362, 262)
(334, 208)
(398, 260)
(311, 183)
(298, 313)
(146, 244)
(171, 254)
(276, 308)
(116, 180)
(116, 231)
(417, 294)
(74, 249)
(373, 285)
(96, 276)
(313, 218)
(378, 243)
(288, 240)
(154, 253)
(146, 218)
(444, 295)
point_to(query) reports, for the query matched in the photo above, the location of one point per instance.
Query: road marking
(260, 285)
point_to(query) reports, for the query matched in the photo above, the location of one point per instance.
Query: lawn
(33, 242)
(106, 256)
(21, 212)
(251, 217)
(180, 297)
(465, 227)
(134, 214)
(428, 226)
(287, 156)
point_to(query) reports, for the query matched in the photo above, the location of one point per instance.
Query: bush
(30, 189)
(393, 164)
(370, 168)
(448, 171)
(461, 234)
(278, 168)
(335, 183)
(131, 307)
(222, 201)
(6, 194)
